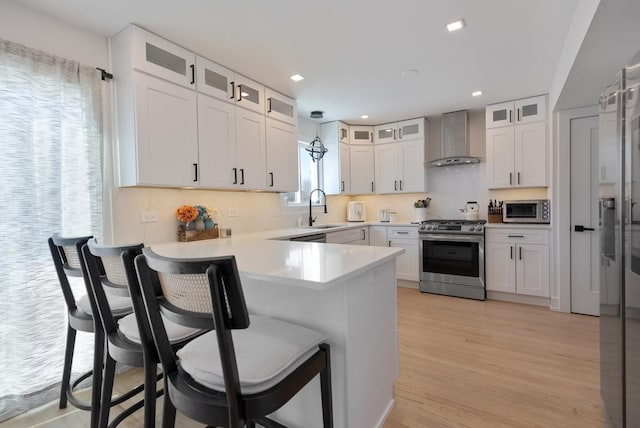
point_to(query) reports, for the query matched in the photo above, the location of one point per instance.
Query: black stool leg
(107, 390)
(150, 380)
(68, 360)
(98, 363)
(325, 388)
(168, 409)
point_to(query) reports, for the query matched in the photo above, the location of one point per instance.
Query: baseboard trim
(518, 298)
(386, 413)
(407, 284)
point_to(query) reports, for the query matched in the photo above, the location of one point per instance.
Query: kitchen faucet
(311, 219)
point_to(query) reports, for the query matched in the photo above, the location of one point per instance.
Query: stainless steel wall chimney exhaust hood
(455, 140)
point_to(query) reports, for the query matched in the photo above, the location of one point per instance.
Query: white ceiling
(353, 52)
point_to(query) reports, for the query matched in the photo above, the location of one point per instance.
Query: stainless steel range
(452, 258)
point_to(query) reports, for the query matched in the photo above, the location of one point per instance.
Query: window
(51, 134)
(310, 177)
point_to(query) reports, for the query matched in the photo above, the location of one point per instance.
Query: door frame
(561, 206)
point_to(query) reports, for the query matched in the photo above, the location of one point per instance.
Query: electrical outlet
(148, 217)
(232, 212)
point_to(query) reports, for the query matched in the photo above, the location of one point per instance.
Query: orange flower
(187, 213)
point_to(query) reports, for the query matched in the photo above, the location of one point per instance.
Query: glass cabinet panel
(385, 134)
(166, 59)
(215, 80)
(281, 107)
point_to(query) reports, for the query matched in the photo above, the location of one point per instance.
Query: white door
(532, 269)
(530, 156)
(585, 260)
(167, 133)
(250, 149)
(361, 169)
(282, 156)
(386, 169)
(217, 142)
(411, 166)
(500, 157)
(501, 267)
(407, 263)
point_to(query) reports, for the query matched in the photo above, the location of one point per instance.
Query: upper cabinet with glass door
(220, 82)
(154, 55)
(361, 134)
(405, 130)
(280, 107)
(516, 112)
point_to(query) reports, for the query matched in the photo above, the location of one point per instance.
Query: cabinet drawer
(402, 232)
(518, 236)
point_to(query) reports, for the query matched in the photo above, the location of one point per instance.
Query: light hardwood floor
(463, 363)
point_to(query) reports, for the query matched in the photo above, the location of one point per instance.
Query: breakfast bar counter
(345, 291)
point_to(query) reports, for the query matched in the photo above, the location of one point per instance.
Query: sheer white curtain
(50, 181)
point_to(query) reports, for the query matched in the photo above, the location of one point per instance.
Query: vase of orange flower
(188, 215)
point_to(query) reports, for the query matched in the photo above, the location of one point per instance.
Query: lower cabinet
(402, 237)
(517, 261)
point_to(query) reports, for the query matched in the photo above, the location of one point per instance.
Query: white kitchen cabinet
(157, 132)
(378, 236)
(404, 130)
(527, 110)
(280, 107)
(336, 161)
(282, 156)
(360, 135)
(399, 167)
(232, 145)
(138, 49)
(361, 167)
(214, 79)
(517, 261)
(517, 156)
(407, 264)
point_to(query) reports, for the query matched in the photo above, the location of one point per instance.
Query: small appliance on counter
(533, 211)
(383, 215)
(471, 211)
(356, 211)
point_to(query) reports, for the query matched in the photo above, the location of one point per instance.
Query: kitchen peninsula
(345, 291)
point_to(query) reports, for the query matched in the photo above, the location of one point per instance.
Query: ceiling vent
(455, 140)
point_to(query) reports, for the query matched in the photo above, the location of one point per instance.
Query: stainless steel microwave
(535, 211)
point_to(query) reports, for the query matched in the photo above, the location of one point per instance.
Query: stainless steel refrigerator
(619, 203)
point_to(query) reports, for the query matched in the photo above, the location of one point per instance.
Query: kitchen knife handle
(235, 175)
(193, 73)
(241, 175)
(195, 172)
(271, 175)
(233, 90)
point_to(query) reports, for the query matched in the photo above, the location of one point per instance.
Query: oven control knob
(472, 228)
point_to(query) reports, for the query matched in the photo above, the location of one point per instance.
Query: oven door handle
(451, 238)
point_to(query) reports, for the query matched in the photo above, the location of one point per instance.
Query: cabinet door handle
(518, 177)
(342, 186)
(372, 187)
(195, 172)
(400, 133)
(269, 102)
(520, 248)
(394, 134)
(510, 116)
(233, 90)
(511, 252)
(271, 175)
(515, 236)
(400, 184)
(364, 234)
(371, 136)
(402, 233)
(241, 175)
(518, 114)
(193, 73)
(395, 185)
(389, 243)
(510, 178)
(235, 175)
(239, 93)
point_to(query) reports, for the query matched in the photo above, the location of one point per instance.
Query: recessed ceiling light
(296, 78)
(476, 93)
(455, 25)
(364, 116)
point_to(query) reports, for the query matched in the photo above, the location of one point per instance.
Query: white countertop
(304, 264)
(285, 234)
(517, 226)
